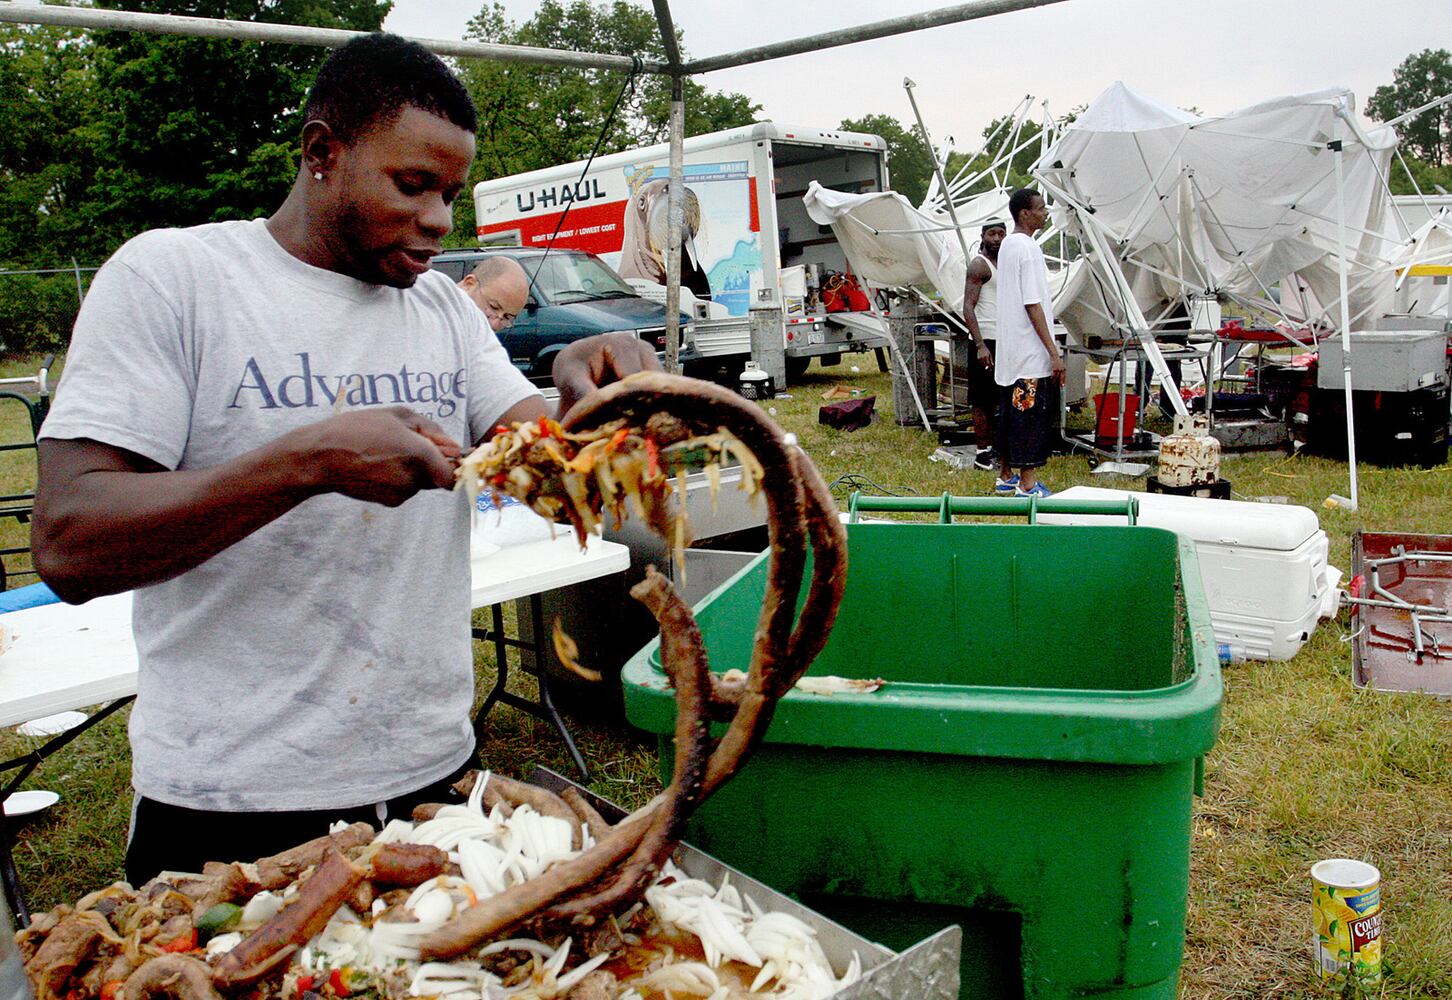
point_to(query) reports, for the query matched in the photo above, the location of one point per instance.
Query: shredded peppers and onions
(578, 477)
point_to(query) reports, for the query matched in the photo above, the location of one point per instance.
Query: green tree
(46, 163)
(532, 117)
(197, 130)
(1421, 78)
(909, 164)
(47, 152)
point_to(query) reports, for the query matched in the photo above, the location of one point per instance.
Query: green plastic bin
(1029, 768)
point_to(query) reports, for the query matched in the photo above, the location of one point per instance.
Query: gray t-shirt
(323, 661)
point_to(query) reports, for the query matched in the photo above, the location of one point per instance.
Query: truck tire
(796, 368)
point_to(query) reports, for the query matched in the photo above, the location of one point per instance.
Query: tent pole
(908, 85)
(675, 189)
(1137, 324)
(901, 363)
(862, 32)
(675, 223)
(1337, 147)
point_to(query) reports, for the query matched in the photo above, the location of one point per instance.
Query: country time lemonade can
(1347, 909)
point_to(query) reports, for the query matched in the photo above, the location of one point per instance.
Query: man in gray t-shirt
(255, 432)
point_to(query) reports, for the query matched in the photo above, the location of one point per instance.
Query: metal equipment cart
(32, 392)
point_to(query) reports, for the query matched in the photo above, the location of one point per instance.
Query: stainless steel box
(926, 971)
(1412, 321)
(1386, 360)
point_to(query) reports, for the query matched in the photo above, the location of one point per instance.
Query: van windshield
(574, 277)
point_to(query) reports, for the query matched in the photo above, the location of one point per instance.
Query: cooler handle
(947, 505)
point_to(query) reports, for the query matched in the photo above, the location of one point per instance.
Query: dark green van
(573, 295)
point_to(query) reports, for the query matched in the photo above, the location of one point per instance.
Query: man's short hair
(495, 267)
(994, 224)
(1021, 200)
(368, 82)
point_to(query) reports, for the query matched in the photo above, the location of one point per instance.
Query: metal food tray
(1385, 655)
(926, 971)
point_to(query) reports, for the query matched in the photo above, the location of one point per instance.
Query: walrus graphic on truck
(746, 229)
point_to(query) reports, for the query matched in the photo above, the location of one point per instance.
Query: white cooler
(1263, 565)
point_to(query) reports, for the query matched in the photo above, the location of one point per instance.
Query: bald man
(500, 287)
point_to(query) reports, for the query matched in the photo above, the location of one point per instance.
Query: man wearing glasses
(500, 287)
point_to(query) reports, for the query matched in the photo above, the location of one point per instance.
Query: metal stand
(20, 505)
(28, 764)
(1120, 458)
(544, 708)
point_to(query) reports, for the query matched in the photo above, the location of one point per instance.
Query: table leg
(26, 764)
(501, 668)
(545, 708)
(546, 699)
(14, 895)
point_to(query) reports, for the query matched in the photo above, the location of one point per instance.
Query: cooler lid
(1277, 527)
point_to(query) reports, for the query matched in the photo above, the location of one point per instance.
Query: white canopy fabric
(891, 244)
(1195, 205)
(1430, 251)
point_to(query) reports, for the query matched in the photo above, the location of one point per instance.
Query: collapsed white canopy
(891, 244)
(1231, 205)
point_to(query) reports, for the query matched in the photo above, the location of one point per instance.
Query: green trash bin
(1028, 769)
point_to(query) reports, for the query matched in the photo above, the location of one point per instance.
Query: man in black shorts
(980, 315)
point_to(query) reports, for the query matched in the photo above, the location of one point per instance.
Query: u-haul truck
(748, 234)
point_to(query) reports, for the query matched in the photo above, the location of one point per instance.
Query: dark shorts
(983, 391)
(174, 838)
(1028, 414)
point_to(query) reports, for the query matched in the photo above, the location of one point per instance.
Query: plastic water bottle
(1230, 653)
(508, 523)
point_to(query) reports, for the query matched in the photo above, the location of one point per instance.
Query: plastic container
(1028, 769)
(1263, 566)
(1346, 909)
(756, 383)
(1107, 417)
(505, 523)
(1189, 456)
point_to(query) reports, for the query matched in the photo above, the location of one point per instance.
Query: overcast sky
(1215, 55)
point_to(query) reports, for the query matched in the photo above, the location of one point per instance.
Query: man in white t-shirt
(255, 433)
(1028, 367)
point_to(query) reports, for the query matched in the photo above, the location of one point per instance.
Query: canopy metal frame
(673, 67)
(1109, 252)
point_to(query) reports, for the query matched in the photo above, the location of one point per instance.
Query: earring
(318, 175)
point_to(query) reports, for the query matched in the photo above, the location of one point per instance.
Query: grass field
(1306, 766)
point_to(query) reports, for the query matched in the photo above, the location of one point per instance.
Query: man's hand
(985, 356)
(589, 364)
(1057, 369)
(383, 455)
(108, 520)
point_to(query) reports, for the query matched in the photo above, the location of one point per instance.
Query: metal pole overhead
(667, 32)
(259, 31)
(864, 32)
(676, 189)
